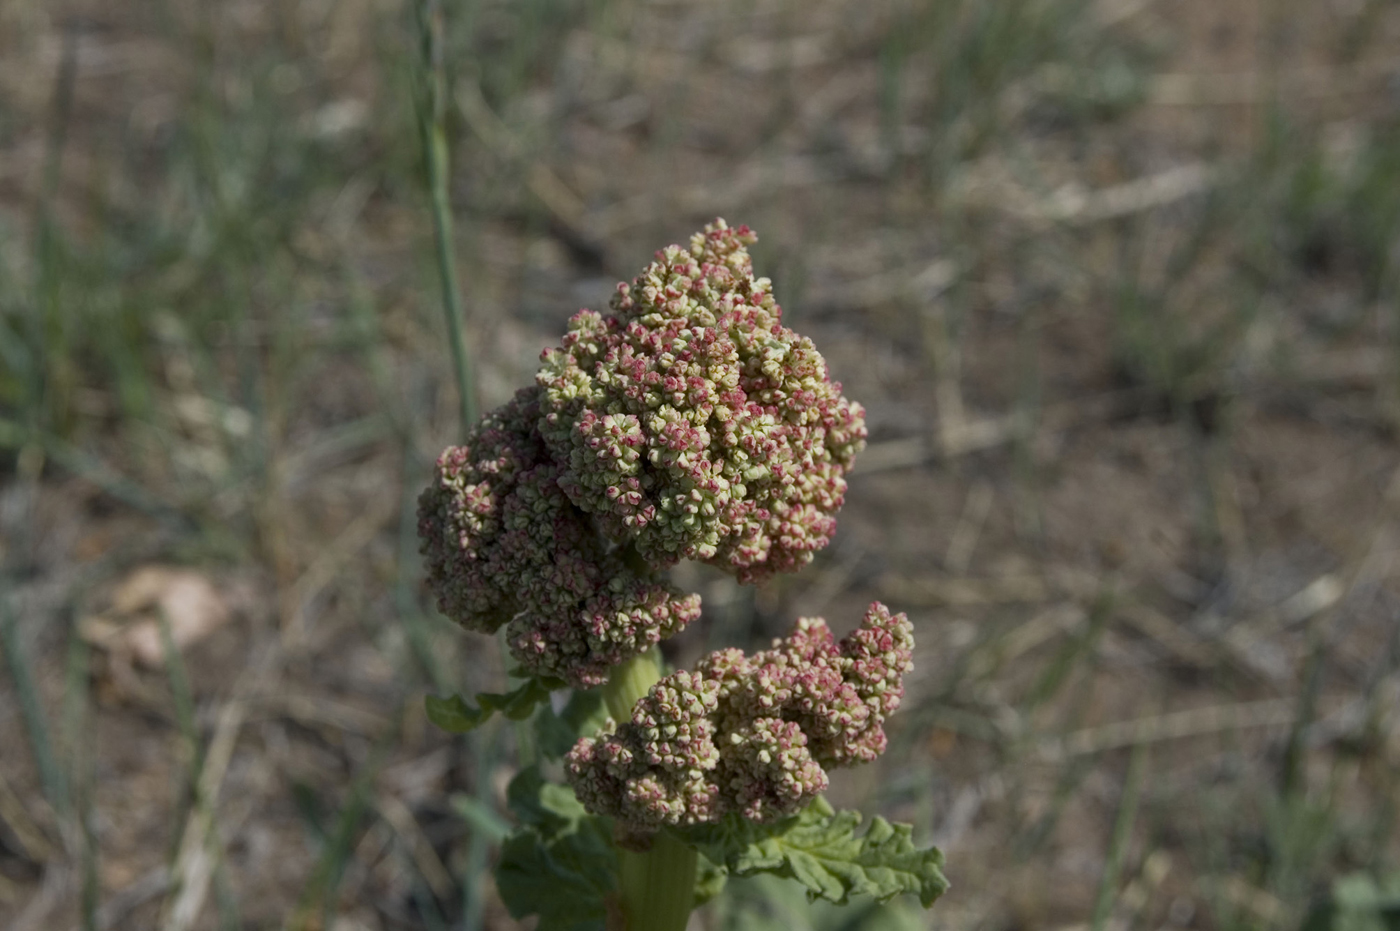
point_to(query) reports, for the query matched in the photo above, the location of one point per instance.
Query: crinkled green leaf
(560, 864)
(562, 880)
(710, 879)
(456, 716)
(819, 847)
(767, 903)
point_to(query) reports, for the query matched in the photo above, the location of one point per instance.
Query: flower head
(692, 423)
(748, 734)
(689, 424)
(503, 544)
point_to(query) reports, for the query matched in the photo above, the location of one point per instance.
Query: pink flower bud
(748, 734)
(717, 396)
(687, 424)
(503, 544)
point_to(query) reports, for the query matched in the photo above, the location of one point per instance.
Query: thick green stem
(657, 885)
(629, 682)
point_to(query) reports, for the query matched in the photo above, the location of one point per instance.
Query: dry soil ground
(1116, 281)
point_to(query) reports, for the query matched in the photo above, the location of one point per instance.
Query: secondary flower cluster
(502, 544)
(689, 424)
(694, 424)
(748, 734)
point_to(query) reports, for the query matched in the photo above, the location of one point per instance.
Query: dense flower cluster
(502, 544)
(748, 734)
(693, 423)
(689, 424)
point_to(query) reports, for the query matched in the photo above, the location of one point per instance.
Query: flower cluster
(692, 423)
(689, 424)
(748, 734)
(502, 544)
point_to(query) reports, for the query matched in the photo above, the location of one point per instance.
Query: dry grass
(1116, 281)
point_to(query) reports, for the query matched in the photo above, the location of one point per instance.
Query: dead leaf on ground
(187, 600)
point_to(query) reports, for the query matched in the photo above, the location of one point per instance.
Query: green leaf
(767, 903)
(453, 714)
(545, 806)
(560, 864)
(819, 847)
(550, 683)
(481, 816)
(456, 716)
(584, 715)
(710, 879)
(1358, 902)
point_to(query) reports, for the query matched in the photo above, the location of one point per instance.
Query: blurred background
(1115, 279)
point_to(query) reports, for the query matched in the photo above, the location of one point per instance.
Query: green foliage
(819, 847)
(560, 864)
(1358, 902)
(710, 879)
(1342, 214)
(557, 733)
(482, 817)
(512, 46)
(766, 903)
(953, 66)
(456, 716)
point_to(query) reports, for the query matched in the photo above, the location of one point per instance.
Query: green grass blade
(1122, 834)
(21, 666)
(431, 112)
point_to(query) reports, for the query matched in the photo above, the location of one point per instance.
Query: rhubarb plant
(686, 424)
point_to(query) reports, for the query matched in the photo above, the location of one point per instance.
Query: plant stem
(628, 683)
(51, 776)
(1122, 834)
(657, 885)
(432, 107)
